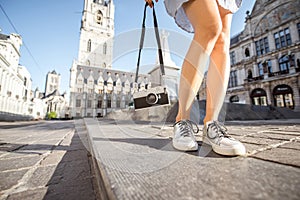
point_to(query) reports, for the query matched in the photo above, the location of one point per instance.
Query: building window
(118, 103)
(108, 101)
(260, 69)
(91, 82)
(89, 46)
(79, 81)
(259, 97)
(232, 58)
(105, 48)
(283, 96)
(233, 79)
(99, 104)
(89, 103)
(234, 99)
(298, 26)
(99, 17)
(269, 65)
(250, 75)
(78, 103)
(104, 65)
(262, 46)
(25, 81)
(247, 52)
(88, 62)
(282, 38)
(90, 91)
(285, 62)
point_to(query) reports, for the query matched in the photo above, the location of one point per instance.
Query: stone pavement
(45, 160)
(136, 160)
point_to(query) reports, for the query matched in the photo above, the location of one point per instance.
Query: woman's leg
(219, 70)
(206, 21)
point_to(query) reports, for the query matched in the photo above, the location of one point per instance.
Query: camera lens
(151, 98)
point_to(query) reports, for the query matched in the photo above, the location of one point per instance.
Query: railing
(278, 73)
(269, 75)
(255, 78)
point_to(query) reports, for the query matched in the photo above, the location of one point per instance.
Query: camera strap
(160, 55)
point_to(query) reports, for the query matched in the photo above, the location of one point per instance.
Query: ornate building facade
(95, 88)
(265, 57)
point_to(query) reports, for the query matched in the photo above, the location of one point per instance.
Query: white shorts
(174, 9)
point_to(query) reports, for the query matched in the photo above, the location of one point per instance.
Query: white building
(95, 88)
(265, 57)
(17, 100)
(15, 80)
(96, 33)
(52, 82)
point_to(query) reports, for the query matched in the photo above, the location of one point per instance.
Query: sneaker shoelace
(186, 127)
(219, 128)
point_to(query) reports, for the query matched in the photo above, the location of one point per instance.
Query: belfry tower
(96, 33)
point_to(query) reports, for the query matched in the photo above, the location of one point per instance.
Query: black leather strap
(160, 56)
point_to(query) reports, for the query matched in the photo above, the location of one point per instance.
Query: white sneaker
(222, 143)
(184, 139)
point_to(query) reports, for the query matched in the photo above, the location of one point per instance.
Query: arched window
(259, 97)
(284, 63)
(250, 75)
(89, 45)
(104, 48)
(283, 96)
(99, 17)
(104, 65)
(247, 53)
(88, 63)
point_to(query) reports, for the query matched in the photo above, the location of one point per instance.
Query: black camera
(151, 97)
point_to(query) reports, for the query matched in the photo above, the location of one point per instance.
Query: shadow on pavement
(72, 177)
(204, 150)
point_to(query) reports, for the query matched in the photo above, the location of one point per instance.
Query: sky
(50, 31)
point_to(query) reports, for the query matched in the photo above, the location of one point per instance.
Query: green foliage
(52, 115)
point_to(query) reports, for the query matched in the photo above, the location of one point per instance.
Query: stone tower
(96, 33)
(52, 82)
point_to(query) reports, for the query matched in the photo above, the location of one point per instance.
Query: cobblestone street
(136, 160)
(44, 160)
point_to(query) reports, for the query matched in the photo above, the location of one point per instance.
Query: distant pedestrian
(210, 21)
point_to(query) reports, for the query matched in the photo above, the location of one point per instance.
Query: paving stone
(281, 155)
(294, 145)
(32, 194)
(274, 136)
(63, 171)
(53, 158)
(17, 163)
(252, 147)
(41, 176)
(260, 141)
(9, 179)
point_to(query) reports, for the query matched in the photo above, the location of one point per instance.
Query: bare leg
(206, 21)
(219, 70)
